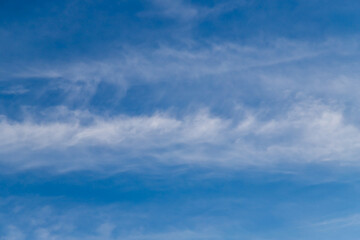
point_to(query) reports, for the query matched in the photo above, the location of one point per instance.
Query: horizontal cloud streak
(308, 132)
(191, 61)
(157, 129)
(318, 69)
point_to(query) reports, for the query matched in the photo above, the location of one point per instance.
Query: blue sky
(159, 119)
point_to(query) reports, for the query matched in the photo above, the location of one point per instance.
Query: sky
(179, 119)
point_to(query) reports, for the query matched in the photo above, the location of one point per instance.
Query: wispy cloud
(341, 222)
(307, 132)
(173, 9)
(15, 90)
(193, 62)
(216, 61)
(117, 131)
(111, 222)
(185, 11)
(180, 63)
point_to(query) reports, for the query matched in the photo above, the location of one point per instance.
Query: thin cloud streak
(167, 62)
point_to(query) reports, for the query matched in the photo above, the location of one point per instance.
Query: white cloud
(13, 233)
(15, 90)
(36, 220)
(173, 9)
(270, 64)
(307, 132)
(187, 62)
(340, 222)
(279, 67)
(158, 129)
(185, 11)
